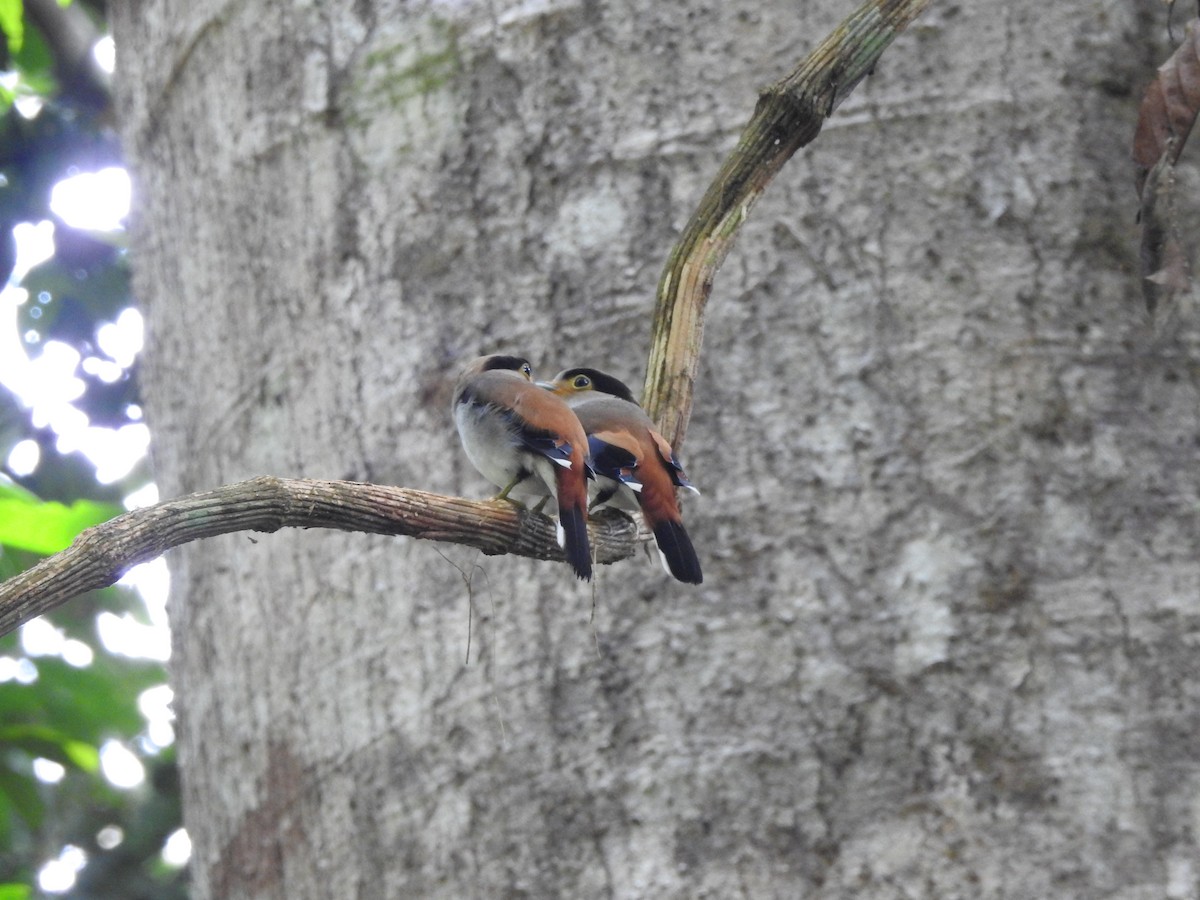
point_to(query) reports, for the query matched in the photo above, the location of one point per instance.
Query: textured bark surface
(946, 642)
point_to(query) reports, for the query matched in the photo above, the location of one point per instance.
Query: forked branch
(789, 115)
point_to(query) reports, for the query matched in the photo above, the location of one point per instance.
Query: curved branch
(103, 553)
(789, 115)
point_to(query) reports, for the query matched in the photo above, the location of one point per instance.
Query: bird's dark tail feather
(573, 520)
(676, 548)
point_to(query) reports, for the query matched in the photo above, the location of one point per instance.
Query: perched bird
(635, 466)
(527, 442)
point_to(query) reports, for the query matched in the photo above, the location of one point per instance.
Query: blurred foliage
(28, 523)
(56, 122)
(65, 716)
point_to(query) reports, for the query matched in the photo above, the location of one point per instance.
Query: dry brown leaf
(1165, 120)
(1170, 105)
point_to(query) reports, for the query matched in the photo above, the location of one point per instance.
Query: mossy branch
(789, 115)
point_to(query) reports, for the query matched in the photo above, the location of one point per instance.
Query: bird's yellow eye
(581, 382)
(527, 370)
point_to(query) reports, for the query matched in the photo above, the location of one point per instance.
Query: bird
(635, 467)
(527, 442)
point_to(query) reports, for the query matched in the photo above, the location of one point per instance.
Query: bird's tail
(572, 520)
(677, 551)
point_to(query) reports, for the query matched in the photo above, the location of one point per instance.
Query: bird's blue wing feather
(614, 462)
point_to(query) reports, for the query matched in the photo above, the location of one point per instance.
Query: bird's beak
(553, 387)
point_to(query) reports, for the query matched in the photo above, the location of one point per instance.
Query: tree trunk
(945, 644)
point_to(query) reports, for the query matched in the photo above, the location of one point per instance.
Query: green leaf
(12, 23)
(34, 57)
(80, 755)
(49, 527)
(15, 892)
(23, 796)
(10, 490)
(52, 744)
(89, 704)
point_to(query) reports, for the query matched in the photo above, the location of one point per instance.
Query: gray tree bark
(946, 642)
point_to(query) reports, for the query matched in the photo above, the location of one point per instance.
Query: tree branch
(102, 554)
(789, 115)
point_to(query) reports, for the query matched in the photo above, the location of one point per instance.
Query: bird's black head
(514, 363)
(585, 379)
